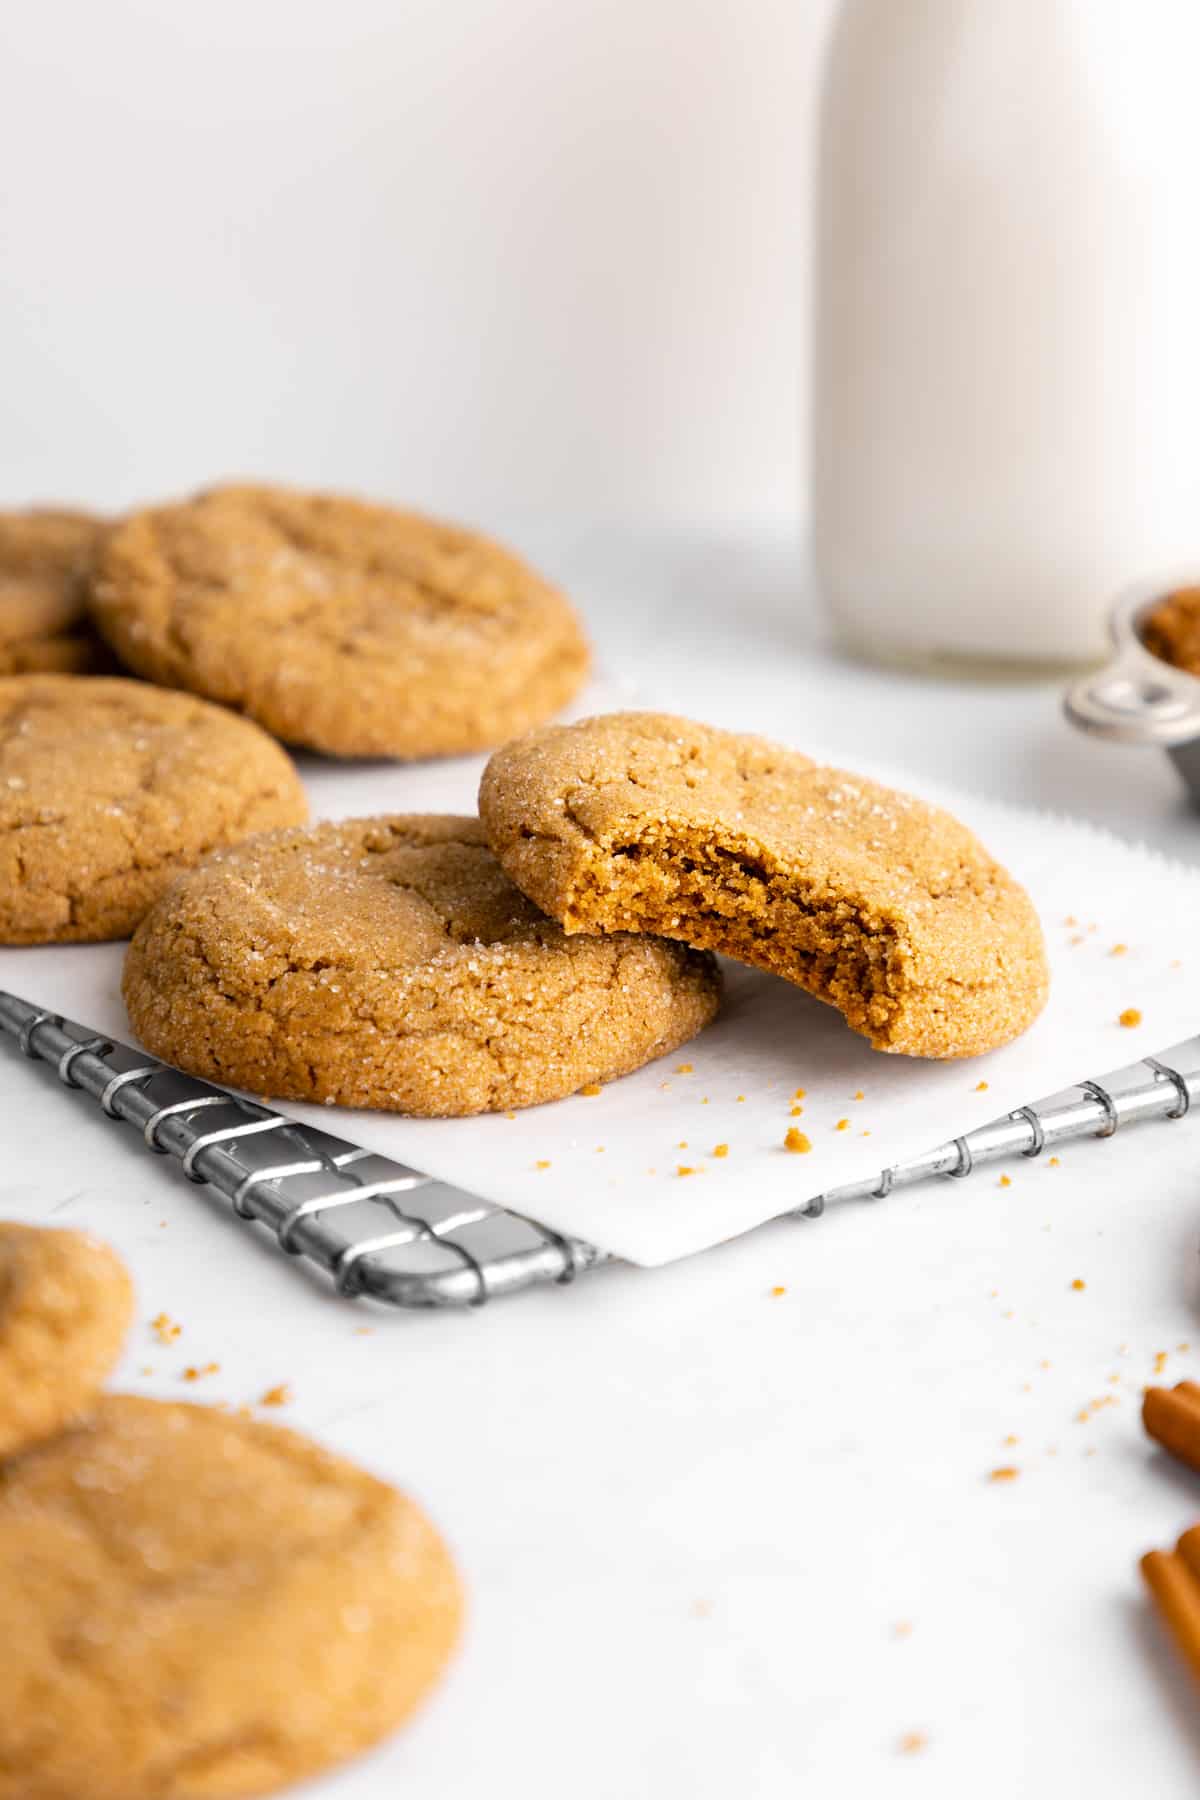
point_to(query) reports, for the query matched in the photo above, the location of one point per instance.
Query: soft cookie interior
(870, 900)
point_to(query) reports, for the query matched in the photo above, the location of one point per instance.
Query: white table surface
(723, 1543)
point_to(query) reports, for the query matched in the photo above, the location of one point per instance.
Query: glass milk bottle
(1007, 375)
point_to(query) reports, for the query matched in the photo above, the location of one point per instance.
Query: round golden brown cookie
(194, 1605)
(354, 629)
(46, 557)
(875, 902)
(390, 963)
(108, 788)
(65, 1306)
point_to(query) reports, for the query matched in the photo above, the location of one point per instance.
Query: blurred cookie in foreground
(873, 901)
(46, 559)
(391, 963)
(1172, 630)
(65, 1306)
(197, 1604)
(108, 788)
(350, 628)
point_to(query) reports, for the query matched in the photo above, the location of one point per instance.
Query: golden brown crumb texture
(874, 901)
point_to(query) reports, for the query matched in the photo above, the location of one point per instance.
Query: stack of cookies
(441, 965)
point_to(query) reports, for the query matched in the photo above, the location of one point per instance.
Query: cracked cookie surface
(870, 899)
(108, 788)
(390, 963)
(196, 1606)
(350, 628)
(46, 557)
(65, 1306)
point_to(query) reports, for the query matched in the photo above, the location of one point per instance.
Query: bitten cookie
(353, 629)
(390, 963)
(65, 1305)
(46, 557)
(875, 902)
(108, 788)
(195, 1606)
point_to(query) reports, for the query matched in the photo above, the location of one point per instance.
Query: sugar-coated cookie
(65, 1306)
(391, 963)
(349, 628)
(108, 788)
(874, 901)
(195, 1606)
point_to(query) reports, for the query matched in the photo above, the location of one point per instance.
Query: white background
(499, 257)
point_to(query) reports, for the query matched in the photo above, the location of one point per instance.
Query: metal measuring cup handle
(1136, 698)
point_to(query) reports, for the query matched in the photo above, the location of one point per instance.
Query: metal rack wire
(381, 1229)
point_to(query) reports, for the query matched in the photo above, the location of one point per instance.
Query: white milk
(1007, 409)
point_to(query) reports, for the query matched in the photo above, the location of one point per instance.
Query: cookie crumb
(165, 1329)
(800, 1094)
(1005, 1473)
(912, 1742)
(1119, 950)
(683, 1068)
(795, 1112)
(858, 1094)
(796, 1140)
(590, 1089)
(1054, 1162)
(1078, 1286)
(902, 1628)
(1005, 1181)
(197, 1374)
(543, 1164)
(682, 1144)
(1012, 1438)
(280, 1395)
(720, 1150)
(842, 1125)
(686, 1169)
(981, 1087)
(1160, 1361)
(1130, 1017)
(778, 1292)
(740, 1098)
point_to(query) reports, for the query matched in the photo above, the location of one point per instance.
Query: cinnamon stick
(1172, 1417)
(1177, 1595)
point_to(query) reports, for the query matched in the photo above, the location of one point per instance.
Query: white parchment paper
(614, 1159)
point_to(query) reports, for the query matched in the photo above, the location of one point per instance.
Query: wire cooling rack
(382, 1229)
